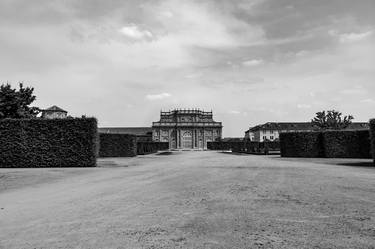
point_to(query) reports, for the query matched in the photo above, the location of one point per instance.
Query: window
(271, 137)
(271, 131)
(264, 137)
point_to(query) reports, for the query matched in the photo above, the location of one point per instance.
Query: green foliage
(372, 135)
(219, 145)
(347, 144)
(151, 147)
(301, 144)
(117, 145)
(16, 103)
(331, 120)
(48, 142)
(329, 144)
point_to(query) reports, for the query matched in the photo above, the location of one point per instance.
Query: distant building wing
(138, 131)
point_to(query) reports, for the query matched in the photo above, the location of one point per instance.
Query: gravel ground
(191, 200)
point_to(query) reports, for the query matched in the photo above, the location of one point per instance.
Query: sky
(250, 62)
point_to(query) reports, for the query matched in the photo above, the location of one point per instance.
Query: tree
(16, 103)
(331, 120)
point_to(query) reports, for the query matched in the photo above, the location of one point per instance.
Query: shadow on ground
(358, 164)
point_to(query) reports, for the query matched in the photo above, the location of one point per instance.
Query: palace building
(186, 129)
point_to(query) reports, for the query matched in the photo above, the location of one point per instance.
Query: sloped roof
(139, 131)
(283, 126)
(301, 126)
(55, 108)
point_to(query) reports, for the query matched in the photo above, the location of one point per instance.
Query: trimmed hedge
(262, 147)
(347, 144)
(372, 135)
(301, 144)
(32, 143)
(151, 147)
(235, 146)
(219, 145)
(117, 145)
(238, 147)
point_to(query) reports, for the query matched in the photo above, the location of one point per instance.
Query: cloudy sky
(249, 61)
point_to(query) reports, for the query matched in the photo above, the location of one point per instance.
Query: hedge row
(372, 133)
(48, 142)
(347, 144)
(117, 145)
(151, 147)
(330, 144)
(301, 144)
(262, 147)
(220, 145)
(245, 146)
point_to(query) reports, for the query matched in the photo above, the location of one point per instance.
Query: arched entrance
(187, 139)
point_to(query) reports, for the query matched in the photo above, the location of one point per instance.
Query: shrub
(301, 144)
(151, 147)
(117, 145)
(347, 144)
(372, 135)
(220, 145)
(262, 147)
(238, 147)
(48, 142)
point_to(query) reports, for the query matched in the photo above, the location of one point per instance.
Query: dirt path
(190, 200)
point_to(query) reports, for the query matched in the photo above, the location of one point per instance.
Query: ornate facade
(186, 129)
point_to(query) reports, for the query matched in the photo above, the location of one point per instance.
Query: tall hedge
(347, 144)
(372, 135)
(301, 144)
(117, 145)
(48, 142)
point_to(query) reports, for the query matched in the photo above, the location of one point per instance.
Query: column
(177, 138)
(204, 142)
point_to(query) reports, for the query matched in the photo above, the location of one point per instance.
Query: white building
(270, 131)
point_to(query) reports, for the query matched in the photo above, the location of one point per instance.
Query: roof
(55, 108)
(139, 131)
(283, 126)
(301, 126)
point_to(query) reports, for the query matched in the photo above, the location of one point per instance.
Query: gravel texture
(197, 199)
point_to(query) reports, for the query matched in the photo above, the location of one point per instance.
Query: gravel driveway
(197, 199)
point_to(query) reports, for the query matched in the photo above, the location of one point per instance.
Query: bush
(347, 144)
(238, 147)
(117, 145)
(372, 135)
(301, 144)
(262, 147)
(219, 145)
(48, 142)
(151, 147)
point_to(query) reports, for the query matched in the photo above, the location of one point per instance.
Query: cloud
(368, 101)
(260, 55)
(234, 112)
(354, 37)
(158, 96)
(303, 106)
(132, 31)
(252, 63)
(350, 37)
